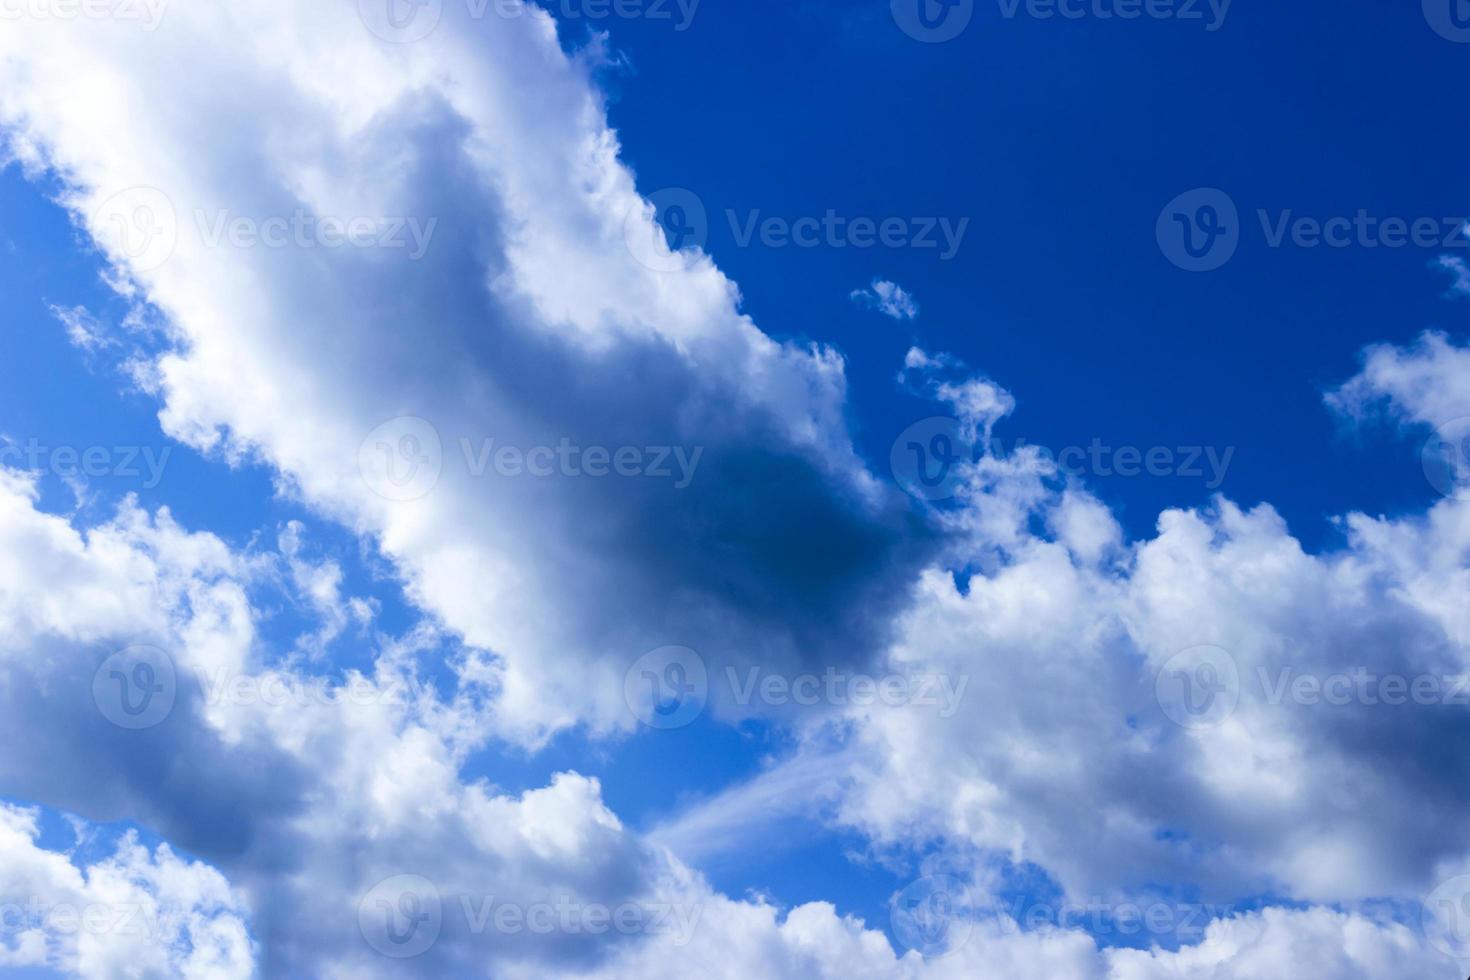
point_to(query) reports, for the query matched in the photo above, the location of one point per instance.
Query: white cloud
(134, 914)
(527, 320)
(888, 298)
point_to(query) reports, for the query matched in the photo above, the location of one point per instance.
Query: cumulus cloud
(888, 298)
(409, 289)
(133, 914)
(683, 478)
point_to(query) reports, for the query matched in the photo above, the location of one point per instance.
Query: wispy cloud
(888, 298)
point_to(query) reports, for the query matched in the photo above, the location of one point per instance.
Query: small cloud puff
(888, 298)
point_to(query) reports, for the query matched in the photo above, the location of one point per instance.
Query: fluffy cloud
(533, 308)
(533, 302)
(888, 298)
(133, 914)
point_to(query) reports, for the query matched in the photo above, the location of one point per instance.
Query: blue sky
(1297, 379)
